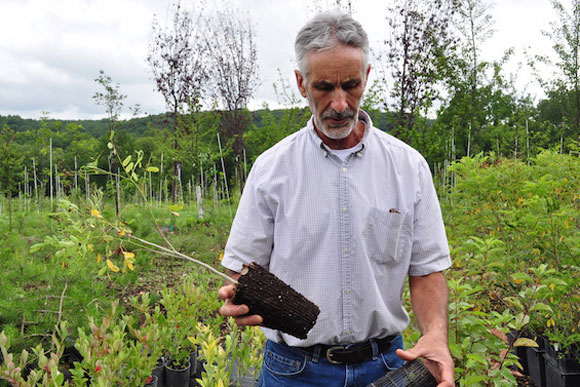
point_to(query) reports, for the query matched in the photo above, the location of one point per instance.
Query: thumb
(226, 292)
(406, 355)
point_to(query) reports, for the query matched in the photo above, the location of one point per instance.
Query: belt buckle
(329, 352)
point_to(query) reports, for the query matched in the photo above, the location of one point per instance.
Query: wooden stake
(225, 177)
(50, 172)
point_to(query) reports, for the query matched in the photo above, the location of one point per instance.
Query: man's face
(334, 87)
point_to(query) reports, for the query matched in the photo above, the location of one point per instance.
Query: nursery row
(514, 285)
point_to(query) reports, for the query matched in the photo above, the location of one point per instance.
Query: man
(343, 213)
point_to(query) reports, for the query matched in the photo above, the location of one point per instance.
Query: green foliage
(513, 227)
(10, 173)
(513, 233)
(273, 129)
(47, 372)
(124, 348)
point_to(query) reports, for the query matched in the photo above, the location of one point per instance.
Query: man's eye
(350, 85)
(324, 87)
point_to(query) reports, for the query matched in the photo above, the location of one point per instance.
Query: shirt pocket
(382, 235)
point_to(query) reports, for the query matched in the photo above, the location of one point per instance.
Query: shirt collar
(362, 116)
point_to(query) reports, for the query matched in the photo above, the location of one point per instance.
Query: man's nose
(338, 102)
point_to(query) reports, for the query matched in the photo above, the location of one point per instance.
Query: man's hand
(429, 297)
(238, 312)
(436, 357)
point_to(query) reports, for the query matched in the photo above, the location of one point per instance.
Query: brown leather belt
(353, 353)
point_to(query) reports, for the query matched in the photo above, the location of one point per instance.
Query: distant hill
(140, 125)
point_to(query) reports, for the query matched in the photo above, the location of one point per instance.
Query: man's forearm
(429, 298)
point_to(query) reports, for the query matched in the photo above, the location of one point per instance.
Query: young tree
(565, 35)
(234, 75)
(112, 100)
(11, 162)
(467, 69)
(420, 38)
(177, 58)
(342, 5)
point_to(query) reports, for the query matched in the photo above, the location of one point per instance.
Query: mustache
(333, 114)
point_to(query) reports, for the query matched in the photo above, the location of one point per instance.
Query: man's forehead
(328, 64)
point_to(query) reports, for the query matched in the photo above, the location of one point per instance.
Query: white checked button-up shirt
(345, 234)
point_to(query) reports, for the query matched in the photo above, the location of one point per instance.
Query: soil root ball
(281, 307)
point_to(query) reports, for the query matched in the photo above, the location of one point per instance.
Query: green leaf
(126, 161)
(111, 135)
(37, 247)
(134, 176)
(474, 379)
(521, 277)
(514, 301)
(555, 281)
(522, 320)
(523, 342)
(153, 169)
(477, 357)
(541, 306)
(110, 145)
(102, 271)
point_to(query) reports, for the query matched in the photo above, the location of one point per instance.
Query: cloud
(52, 50)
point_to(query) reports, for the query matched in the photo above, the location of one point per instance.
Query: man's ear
(300, 81)
(367, 72)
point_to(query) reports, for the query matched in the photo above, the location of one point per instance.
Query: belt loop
(375, 348)
(316, 354)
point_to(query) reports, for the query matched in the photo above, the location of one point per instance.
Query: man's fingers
(447, 378)
(439, 368)
(253, 319)
(238, 312)
(228, 309)
(227, 292)
(406, 355)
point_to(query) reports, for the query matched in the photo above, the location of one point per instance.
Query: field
(73, 274)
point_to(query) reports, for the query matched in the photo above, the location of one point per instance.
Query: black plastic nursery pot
(412, 374)
(561, 371)
(177, 377)
(159, 372)
(154, 382)
(536, 363)
(193, 361)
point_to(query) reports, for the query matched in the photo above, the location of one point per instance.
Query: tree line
(434, 90)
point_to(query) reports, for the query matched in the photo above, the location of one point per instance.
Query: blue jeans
(292, 367)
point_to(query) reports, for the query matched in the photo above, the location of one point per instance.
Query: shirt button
(347, 332)
(347, 250)
(347, 291)
(344, 169)
(345, 209)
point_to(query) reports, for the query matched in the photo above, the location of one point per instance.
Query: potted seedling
(177, 368)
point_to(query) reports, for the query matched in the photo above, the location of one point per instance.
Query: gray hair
(327, 30)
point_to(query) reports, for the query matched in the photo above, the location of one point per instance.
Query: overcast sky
(51, 51)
